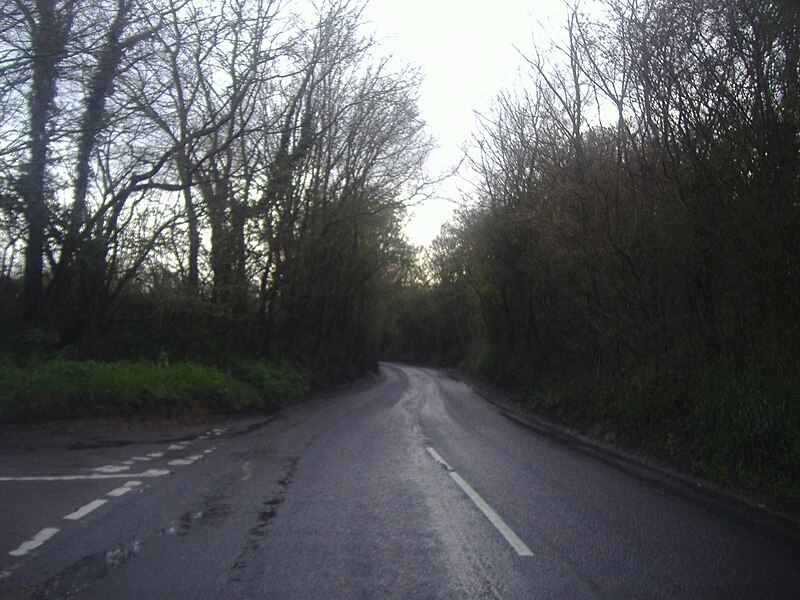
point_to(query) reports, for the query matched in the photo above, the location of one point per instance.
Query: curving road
(410, 487)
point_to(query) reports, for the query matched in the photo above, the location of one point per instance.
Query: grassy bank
(734, 422)
(55, 389)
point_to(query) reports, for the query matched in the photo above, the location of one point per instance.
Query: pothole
(85, 572)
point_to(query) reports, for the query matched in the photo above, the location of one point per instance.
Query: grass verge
(66, 389)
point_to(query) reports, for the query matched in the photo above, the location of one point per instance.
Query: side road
(629, 458)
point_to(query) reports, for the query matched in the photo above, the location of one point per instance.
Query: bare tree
(36, 37)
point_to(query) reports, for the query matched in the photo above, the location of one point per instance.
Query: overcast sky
(466, 49)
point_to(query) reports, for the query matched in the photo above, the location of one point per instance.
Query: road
(411, 486)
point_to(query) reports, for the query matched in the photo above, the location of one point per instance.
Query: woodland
(195, 180)
(629, 259)
(184, 182)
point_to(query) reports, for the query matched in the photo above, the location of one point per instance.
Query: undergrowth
(737, 422)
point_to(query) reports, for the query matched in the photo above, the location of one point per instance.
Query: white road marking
(174, 447)
(111, 469)
(124, 489)
(512, 538)
(155, 455)
(142, 458)
(36, 541)
(127, 462)
(85, 510)
(439, 459)
(195, 456)
(180, 462)
(148, 473)
(493, 517)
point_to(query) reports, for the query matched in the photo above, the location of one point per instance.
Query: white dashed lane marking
(115, 471)
(514, 541)
(85, 510)
(111, 468)
(439, 459)
(124, 489)
(36, 541)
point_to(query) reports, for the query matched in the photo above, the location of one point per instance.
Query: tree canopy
(201, 177)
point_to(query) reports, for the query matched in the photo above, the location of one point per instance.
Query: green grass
(66, 389)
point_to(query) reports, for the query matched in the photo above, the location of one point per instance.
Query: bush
(274, 380)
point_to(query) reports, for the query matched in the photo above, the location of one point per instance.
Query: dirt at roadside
(115, 431)
(98, 432)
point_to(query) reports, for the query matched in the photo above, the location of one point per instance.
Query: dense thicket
(200, 179)
(633, 241)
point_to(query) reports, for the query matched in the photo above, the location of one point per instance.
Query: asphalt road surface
(411, 486)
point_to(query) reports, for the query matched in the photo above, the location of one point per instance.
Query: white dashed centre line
(493, 517)
(85, 510)
(512, 538)
(439, 459)
(36, 541)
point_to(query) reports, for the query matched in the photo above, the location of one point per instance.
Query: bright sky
(466, 50)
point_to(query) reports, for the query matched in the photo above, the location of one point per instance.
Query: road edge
(633, 461)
